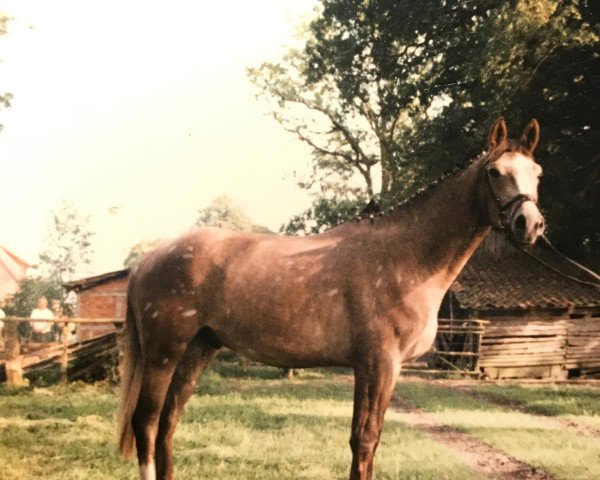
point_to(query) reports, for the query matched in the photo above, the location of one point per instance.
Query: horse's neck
(443, 227)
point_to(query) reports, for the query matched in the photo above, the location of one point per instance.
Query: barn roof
(89, 282)
(12, 269)
(502, 276)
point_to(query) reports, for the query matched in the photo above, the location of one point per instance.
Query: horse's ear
(498, 134)
(531, 136)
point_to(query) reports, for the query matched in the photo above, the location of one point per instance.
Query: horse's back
(270, 297)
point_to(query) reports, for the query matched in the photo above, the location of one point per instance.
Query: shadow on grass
(228, 369)
(551, 400)
(212, 384)
(59, 402)
(433, 398)
(261, 418)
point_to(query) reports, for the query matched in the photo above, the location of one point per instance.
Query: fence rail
(73, 357)
(457, 348)
(65, 320)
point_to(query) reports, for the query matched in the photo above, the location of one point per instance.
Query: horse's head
(512, 178)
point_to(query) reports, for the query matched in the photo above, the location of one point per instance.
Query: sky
(143, 106)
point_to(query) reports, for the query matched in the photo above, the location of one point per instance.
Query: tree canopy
(224, 212)
(30, 290)
(67, 245)
(394, 94)
(5, 98)
(139, 250)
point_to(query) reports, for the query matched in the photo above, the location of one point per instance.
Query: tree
(223, 212)
(68, 244)
(30, 290)
(412, 91)
(139, 250)
(322, 215)
(5, 98)
(26, 299)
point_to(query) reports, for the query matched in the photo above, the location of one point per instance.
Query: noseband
(503, 224)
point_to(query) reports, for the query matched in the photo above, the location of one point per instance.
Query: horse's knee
(363, 445)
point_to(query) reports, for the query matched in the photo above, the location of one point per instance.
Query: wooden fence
(457, 348)
(73, 358)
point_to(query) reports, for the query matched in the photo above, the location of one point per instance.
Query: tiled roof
(502, 276)
(12, 269)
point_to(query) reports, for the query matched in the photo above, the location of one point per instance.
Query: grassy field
(250, 424)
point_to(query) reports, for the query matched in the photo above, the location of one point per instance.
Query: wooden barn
(101, 296)
(542, 311)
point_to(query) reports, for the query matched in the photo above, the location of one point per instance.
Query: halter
(516, 201)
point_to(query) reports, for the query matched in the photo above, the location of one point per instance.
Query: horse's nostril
(520, 222)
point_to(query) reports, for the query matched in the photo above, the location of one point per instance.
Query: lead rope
(593, 274)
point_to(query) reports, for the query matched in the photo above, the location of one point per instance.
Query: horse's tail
(131, 381)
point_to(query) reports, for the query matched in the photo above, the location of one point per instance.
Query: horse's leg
(373, 385)
(155, 384)
(193, 362)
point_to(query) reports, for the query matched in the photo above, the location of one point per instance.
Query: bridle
(503, 224)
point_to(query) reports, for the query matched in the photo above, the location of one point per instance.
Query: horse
(364, 295)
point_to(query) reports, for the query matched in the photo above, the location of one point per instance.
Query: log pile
(516, 342)
(583, 345)
(85, 358)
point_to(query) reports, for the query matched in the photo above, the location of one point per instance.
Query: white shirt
(41, 313)
(2, 315)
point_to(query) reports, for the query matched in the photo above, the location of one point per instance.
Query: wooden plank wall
(583, 345)
(546, 347)
(520, 342)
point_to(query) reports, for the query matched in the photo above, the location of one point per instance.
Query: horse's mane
(373, 209)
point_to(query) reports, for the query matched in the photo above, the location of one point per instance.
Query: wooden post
(479, 338)
(12, 351)
(120, 334)
(64, 359)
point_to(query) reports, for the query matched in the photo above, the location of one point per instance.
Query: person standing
(2, 315)
(42, 331)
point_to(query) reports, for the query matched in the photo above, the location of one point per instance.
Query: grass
(242, 424)
(562, 452)
(251, 424)
(554, 400)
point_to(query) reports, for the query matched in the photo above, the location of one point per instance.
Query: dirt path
(488, 461)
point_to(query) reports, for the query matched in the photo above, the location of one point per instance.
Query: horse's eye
(494, 172)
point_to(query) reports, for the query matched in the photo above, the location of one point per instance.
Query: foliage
(25, 300)
(390, 86)
(322, 215)
(5, 98)
(139, 250)
(30, 290)
(223, 212)
(68, 244)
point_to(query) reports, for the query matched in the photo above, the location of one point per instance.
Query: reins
(557, 252)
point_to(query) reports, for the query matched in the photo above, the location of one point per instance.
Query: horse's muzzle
(527, 223)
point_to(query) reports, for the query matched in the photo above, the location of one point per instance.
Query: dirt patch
(488, 461)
